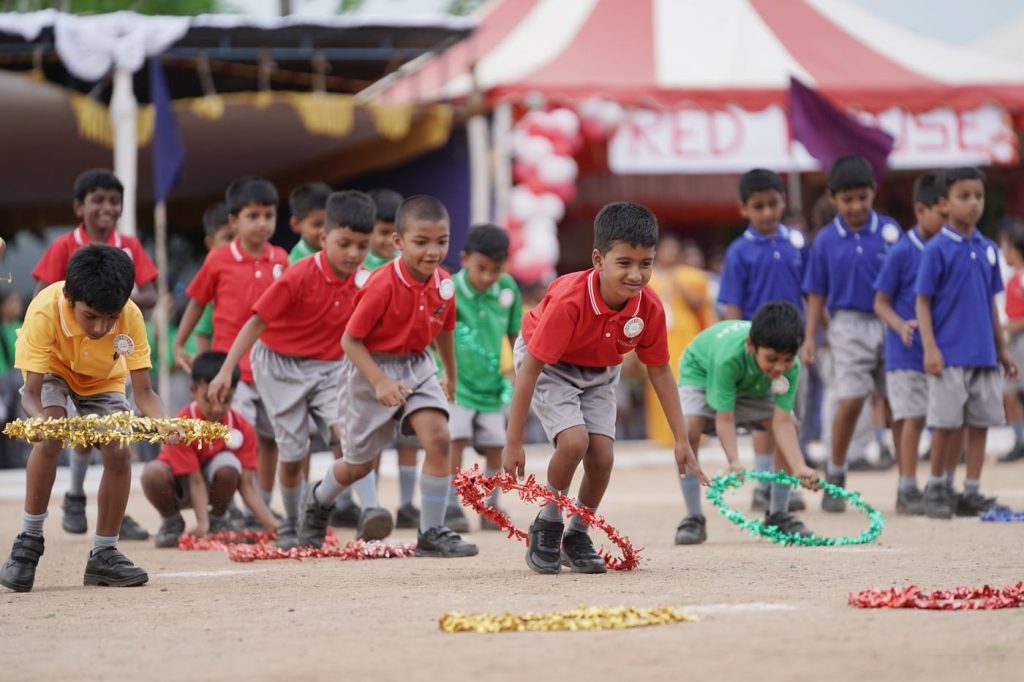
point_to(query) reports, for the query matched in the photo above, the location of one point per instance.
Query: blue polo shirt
(760, 268)
(898, 280)
(961, 275)
(845, 262)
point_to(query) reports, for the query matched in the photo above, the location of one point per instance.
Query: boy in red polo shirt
(233, 277)
(568, 360)
(389, 382)
(97, 204)
(295, 336)
(201, 476)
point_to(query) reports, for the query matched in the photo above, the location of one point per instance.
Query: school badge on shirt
(235, 439)
(633, 327)
(506, 298)
(890, 233)
(780, 385)
(123, 346)
(361, 278)
(990, 254)
(276, 272)
(447, 289)
(796, 238)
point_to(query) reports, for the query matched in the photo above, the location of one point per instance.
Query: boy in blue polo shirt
(845, 259)
(895, 297)
(765, 264)
(963, 342)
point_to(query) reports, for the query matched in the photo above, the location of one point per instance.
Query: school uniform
(760, 268)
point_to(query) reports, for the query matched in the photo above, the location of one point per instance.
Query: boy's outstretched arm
(933, 360)
(1003, 354)
(32, 395)
(725, 429)
(247, 336)
(815, 305)
(513, 456)
(189, 320)
(445, 344)
(390, 393)
(254, 501)
(664, 384)
(150, 405)
(887, 314)
(200, 502)
(145, 296)
(784, 431)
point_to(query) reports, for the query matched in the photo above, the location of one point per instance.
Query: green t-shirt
(484, 318)
(154, 349)
(300, 250)
(8, 335)
(718, 361)
(373, 261)
(204, 327)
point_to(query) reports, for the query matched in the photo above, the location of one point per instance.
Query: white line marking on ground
(854, 550)
(207, 574)
(750, 607)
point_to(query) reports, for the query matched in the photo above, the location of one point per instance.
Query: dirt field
(767, 612)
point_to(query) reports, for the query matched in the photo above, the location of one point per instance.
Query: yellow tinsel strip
(123, 427)
(580, 618)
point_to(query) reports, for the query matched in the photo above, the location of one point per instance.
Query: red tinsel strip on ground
(957, 599)
(474, 488)
(245, 546)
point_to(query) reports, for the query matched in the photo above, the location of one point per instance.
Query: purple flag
(829, 133)
(168, 150)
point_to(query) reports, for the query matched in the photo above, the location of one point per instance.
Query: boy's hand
(933, 361)
(1009, 364)
(736, 468)
(808, 477)
(182, 359)
(200, 529)
(685, 459)
(219, 388)
(513, 460)
(906, 332)
(809, 351)
(173, 435)
(391, 393)
(448, 386)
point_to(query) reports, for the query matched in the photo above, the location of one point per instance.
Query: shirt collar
(752, 234)
(843, 230)
(915, 238)
(82, 237)
(239, 255)
(470, 291)
(329, 275)
(959, 238)
(597, 303)
(403, 274)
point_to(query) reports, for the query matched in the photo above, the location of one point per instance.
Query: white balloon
(591, 108)
(542, 248)
(566, 120)
(557, 170)
(538, 228)
(551, 206)
(522, 203)
(534, 149)
(611, 114)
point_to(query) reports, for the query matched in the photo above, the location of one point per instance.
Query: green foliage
(179, 7)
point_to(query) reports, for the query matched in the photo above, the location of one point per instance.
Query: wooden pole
(163, 302)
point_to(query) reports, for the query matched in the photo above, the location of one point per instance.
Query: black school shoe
(348, 516)
(287, 535)
(19, 571)
(170, 531)
(910, 502)
(407, 516)
(132, 530)
(108, 567)
(375, 524)
(544, 547)
(692, 531)
(74, 520)
(579, 555)
(443, 542)
(832, 504)
(938, 501)
(788, 523)
(972, 504)
(313, 522)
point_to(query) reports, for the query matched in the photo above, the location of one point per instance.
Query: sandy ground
(767, 612)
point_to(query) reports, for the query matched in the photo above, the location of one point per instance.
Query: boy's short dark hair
(206, 366)
(249, 190)
(214, 218)
(487, 239)
(351, 209)
(1012, 232)
(94, 179)
(309, 197)
(929, 188)
(420, 207)
(777, 325)
(850, 172)
(627, 222)
(759, 180)
(387, 201)
(954, 175)
(100, 276)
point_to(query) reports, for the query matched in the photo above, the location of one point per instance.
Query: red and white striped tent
(712, 53)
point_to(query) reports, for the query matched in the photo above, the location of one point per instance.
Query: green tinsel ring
(758, 527)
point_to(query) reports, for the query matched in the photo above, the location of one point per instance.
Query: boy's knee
(573, 443)
(116, 458)
(431, 429)
(155, 473)
(50, 447)
(226, 476)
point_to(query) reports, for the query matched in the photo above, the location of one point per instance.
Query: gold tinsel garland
(123, 427)
(580, 618)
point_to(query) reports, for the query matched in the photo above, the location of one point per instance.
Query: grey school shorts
(1016, 345)
(750, 412)
(222, 459)
(857, 341)
(296, 391)
(965, 395)
(571, 395)
(56, 393)
(249, 404)
(908, 393)
(482, 429)
(367, 426)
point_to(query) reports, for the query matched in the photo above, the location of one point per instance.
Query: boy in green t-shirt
(489, 309)
(744, 373)
(382, 241)
(308, 204)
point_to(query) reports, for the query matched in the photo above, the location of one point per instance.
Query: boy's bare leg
(224, 486)
(158, 487)
(976, 439)
(266, 468)
(597, 472)
(843, 426)
(764, 460)
(115, 485)
(691, 530)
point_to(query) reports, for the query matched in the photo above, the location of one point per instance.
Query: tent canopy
(711, 53)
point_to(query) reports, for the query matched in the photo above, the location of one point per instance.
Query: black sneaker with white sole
(443, 542)
(110, 568)
(579, 555)
(19, 571)
(544, 546)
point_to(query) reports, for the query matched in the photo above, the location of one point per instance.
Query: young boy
(765, 264)
(1012, 246)
(845, 259)
(81, 338)
(233, 277)
(295, 336)
(218, 233)
(489, 311)
(963, 342)
(205, 476)
(568, 361)
(746, 373)
(389, 382)
(905, 379)
(308, 205)
(382, 242)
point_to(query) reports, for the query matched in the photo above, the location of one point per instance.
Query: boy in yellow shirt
(80, 340)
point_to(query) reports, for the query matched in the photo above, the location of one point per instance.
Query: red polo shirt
(1015, 295)
(396, 314)
(234, 280)
(307, 309)
(54, 263)
(184, 459)
(573, 324)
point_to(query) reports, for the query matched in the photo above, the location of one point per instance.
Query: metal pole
(502, 159)
(123, 120)
(163, 341)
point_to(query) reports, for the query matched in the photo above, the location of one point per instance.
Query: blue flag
(168, 149)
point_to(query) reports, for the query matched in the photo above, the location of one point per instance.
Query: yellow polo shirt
(51, 341)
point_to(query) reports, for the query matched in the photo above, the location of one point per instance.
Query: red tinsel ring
(474, 488)
(246, 546)
(957, 599)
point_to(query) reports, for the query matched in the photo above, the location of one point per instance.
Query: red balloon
(514, 226)
(593, 130)
(566, 192)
